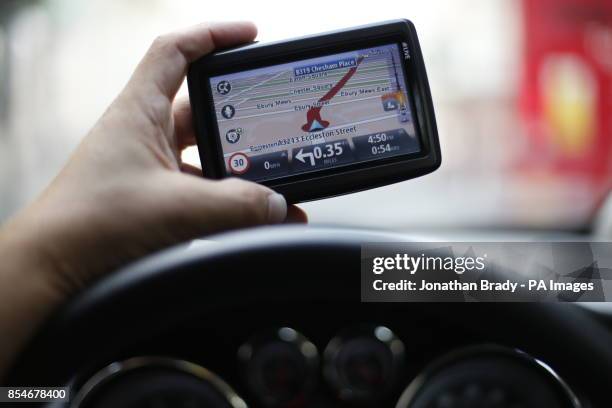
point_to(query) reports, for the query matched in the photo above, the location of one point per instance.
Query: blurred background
(522, 91)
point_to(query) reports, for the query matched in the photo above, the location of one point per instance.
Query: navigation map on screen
(314, 114)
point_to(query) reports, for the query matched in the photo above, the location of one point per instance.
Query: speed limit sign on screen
(239, 163)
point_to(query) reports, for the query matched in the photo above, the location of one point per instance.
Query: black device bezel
(336, 180)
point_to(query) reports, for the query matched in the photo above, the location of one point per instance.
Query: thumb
(234, 203)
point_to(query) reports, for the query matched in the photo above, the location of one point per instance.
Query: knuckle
(162, 44)
(160, 41)
(251, 198)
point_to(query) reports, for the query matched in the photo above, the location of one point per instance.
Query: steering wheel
(200, 302)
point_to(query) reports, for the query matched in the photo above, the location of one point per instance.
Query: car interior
(215, 323)
(272, 316)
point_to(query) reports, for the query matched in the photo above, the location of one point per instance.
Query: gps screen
(314, 114)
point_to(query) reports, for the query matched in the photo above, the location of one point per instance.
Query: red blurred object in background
(566, 94)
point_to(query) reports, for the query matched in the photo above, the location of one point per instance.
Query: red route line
(314, 113)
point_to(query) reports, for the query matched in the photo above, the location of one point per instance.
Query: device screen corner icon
(224, 87)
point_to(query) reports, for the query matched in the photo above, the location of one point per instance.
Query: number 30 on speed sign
(239, 163)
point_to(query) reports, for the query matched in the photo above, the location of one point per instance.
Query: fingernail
(277, 208)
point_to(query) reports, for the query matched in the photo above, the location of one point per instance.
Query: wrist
(26, 289)
(27, 262)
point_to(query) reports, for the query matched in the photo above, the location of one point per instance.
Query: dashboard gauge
(363, 365)
(488, 376)
(156, 382)
(281, 367)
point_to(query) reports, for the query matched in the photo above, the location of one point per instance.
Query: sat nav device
(317, 116)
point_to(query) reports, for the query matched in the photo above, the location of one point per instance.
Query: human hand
(122, 194)
(125, 192)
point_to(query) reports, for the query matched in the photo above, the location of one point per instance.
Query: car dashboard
(273, 318)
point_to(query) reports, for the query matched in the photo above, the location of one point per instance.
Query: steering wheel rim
(154, 293)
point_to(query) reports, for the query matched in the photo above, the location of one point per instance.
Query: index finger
(164, 66)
